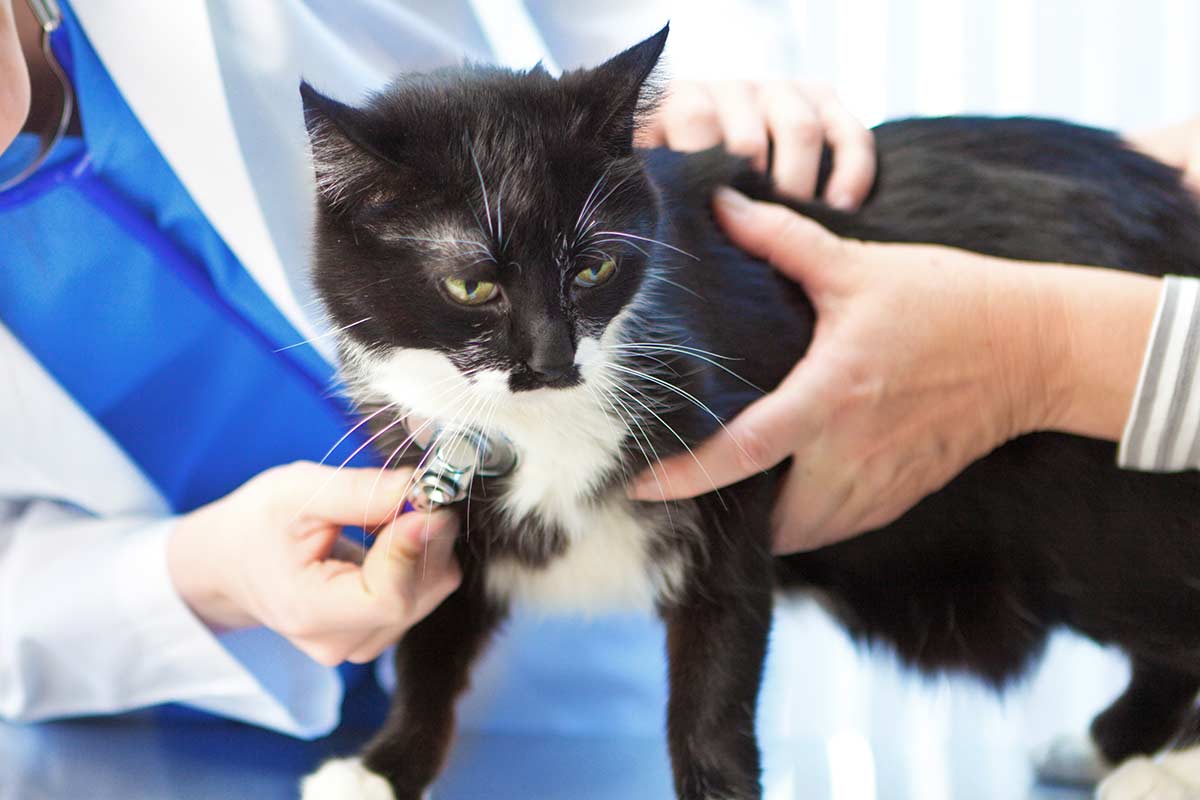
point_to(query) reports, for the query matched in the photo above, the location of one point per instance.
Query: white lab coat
(89, 621)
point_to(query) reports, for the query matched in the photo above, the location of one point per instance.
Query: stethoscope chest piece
(454, 456)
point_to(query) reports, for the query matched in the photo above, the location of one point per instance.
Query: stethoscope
(454, 454)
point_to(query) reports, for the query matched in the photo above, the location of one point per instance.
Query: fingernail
(731, 200)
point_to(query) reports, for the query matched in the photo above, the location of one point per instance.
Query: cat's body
(1044, 532)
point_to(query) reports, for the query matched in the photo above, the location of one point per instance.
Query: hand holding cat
(924, 359)
(798, 120)
(269, 554)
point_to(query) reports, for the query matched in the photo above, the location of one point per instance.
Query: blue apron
(112, 277)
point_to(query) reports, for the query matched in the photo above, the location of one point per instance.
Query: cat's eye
(594, 276)
(471, 293)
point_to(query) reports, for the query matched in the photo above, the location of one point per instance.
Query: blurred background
(1111, 63)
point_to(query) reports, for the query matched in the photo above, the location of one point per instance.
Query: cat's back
(1030, 189)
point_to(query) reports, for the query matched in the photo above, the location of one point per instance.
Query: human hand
(924, 359)
(797, 119)
(1177, 145)
(265, 555)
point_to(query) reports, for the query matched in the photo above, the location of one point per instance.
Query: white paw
(1171, 776)
(1070, 759)
(345, 779)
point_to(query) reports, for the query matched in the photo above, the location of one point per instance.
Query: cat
(498, 253)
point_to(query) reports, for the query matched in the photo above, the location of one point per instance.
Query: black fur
(1043, 533)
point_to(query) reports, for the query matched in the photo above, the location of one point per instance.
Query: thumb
(794, 244)
(415, 548)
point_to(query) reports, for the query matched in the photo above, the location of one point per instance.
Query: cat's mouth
(527, 380)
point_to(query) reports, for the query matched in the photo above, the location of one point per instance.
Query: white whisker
(487, 208)
(652, 241)
(624, 390)
(687, 395)
(325, 335)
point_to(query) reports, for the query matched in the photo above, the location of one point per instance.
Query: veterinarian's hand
(1177, 145)
(797, 119)
(924, 359)
(269, 554)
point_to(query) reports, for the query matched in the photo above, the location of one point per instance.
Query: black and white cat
(500, 255)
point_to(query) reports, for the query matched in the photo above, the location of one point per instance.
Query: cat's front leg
(433, 663)
(716, 643)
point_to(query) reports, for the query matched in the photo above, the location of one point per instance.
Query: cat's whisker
(487, 209)
(679, 346)
(600, 203)
(594, 251)
(694, 354)
(325, 335)
(625, 242)
(304, 506)
(583, 212)
(358, 425)
(692, 398)
(621, 388)
(652, 241)
(679, 286)
(683, 394)
(500, 215)
(649, 443)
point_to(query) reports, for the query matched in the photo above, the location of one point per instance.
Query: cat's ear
(621, 89)
(345, 145)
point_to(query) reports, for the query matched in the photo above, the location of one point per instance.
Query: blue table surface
(142, 756)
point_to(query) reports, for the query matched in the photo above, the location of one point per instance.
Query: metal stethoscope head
(454, 456)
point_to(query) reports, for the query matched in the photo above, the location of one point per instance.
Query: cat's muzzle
(454, 456)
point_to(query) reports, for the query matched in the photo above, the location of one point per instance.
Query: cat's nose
(552, 354)
(550, 370)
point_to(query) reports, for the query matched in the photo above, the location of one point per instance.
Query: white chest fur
(607, 567)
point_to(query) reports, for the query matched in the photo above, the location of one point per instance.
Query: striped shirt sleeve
(1162, 433)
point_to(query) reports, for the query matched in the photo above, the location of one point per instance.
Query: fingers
(347, 496)
(741, 121)
(690, 118)
(853, 152)
(798, 137)
(794, 244)
(749, 117)
(756, 440)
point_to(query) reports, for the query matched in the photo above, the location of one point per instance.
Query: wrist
(198, 571)
(1094, 326)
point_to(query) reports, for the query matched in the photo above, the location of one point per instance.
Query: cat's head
(483, 226)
